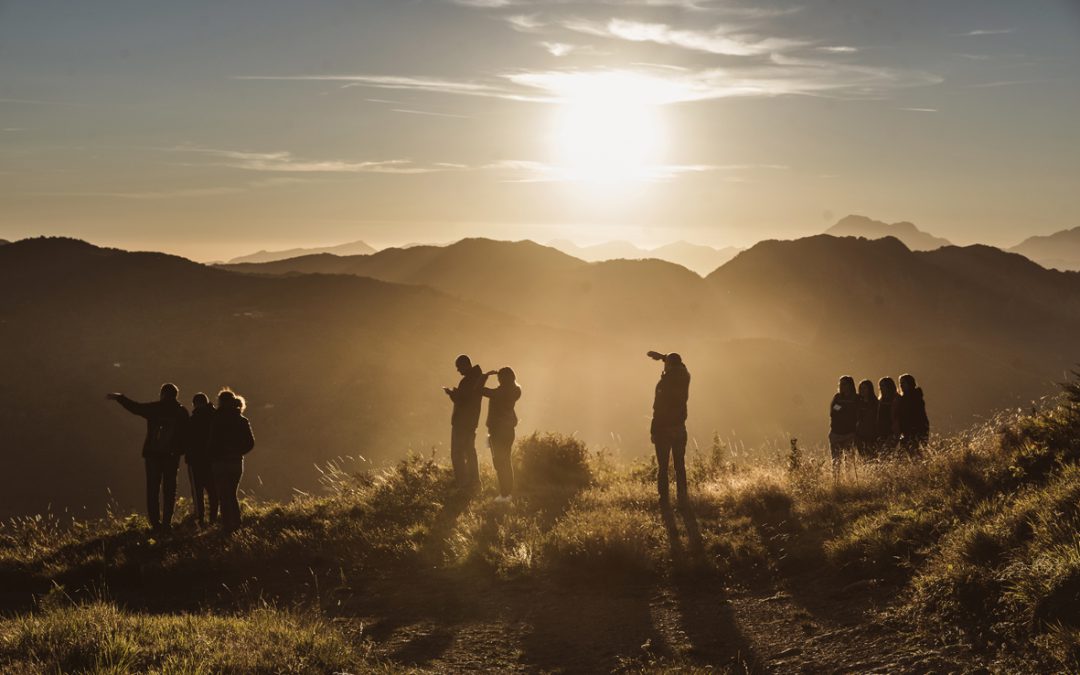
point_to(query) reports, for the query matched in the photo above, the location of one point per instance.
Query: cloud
(985, 31)
(525, 23)
(558, 48)
(528, 171)
(429, 113)
(924, 110)
(659, 85)
(407, 83)
(285, 162)
(838, 49)
(720, 40)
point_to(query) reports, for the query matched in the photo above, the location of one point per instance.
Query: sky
(212, 129)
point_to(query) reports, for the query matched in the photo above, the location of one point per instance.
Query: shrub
(552, 461)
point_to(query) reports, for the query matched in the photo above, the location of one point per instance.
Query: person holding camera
(668, 429)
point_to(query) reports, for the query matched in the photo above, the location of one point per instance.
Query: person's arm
(133, 407)
(489, 392)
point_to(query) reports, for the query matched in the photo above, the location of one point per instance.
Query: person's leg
(501, 445)
(457, 455)
(196, 493)
(153, 480)
(170, 466)
(236, 473)
(471, 461)
(663, 453)
(205, 471)
(678, 456)
(213, 504)
(221, 485)
(836, 449)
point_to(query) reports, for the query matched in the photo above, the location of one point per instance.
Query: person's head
(229, 400)
(866, 391)
(506, 376)
(463, 364)
(847, 386)
(200, 400)
(672, 360)
(169, 391)
(907, 383)
(887, 387)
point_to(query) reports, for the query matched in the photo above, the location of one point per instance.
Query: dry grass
(979, 535)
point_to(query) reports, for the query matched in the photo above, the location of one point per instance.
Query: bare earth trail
(457, 620)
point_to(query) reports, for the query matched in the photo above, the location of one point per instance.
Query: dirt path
(453, 621)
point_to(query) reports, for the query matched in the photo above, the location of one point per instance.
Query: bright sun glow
(608, 129)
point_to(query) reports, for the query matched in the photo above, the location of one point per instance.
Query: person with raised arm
(166, 426)
(668, 429)
(501, 423)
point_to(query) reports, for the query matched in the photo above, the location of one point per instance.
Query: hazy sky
(215, 128)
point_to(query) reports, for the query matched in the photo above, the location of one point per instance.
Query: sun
(607, 128)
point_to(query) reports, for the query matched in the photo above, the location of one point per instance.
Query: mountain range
(345, 356)
(1060, 250)
(911, 236)
(695, 257)
(351, 248)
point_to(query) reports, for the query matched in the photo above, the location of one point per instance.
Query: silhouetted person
(466, 416)
(866, 432)
(843, 420)
(668, 428)
(887, 428)
(501, 423)
(911, 420)
(230, 440)
(199, 464)
(166, 421)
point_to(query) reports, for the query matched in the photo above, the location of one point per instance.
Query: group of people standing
(212, 439)
(877, 423)
(502, 421)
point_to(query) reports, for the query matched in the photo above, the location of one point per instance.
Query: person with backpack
(199, 464)
(230, 439)
(166, 422)
(501, 422)
(843, 421)
(911, 421)
(668, 429)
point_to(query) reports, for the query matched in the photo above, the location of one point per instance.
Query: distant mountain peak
(868, 228)
(1060, 250)
(262, 256)
(698, 258)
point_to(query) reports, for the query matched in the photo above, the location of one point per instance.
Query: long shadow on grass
(705, 616)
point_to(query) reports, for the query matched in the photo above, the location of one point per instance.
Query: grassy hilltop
(967, 558)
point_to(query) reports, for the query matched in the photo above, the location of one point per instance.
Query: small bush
(552, 461)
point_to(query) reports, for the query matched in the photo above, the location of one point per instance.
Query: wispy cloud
(720, 40)
(1001, 83)
(286, 162)
(987, 31)
(777, 76)
(429, 113)
(558, 48)
(525, 23)
(407, 83)
(838, 49)
(527, 171)
(922, 110)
